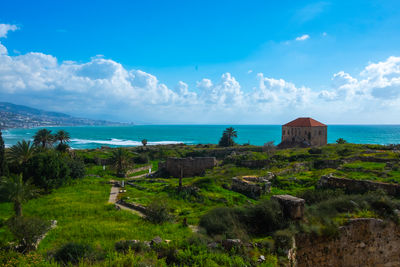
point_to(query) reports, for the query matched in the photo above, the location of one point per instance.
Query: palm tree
(62, 136)
(144, 142)
(17, 191)
(227, 137)
(43, 137)
(21, 152)
(230, 132)
(121, 161)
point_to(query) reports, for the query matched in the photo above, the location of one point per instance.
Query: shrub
(315, 151)
(312, 196)
(62, 147)
(263, 218)
(134, 245)
(341, 141)
(76, 167)
(260, 219)
(283, 241)
(48, 170)
(73, 253)
(344, 152)
(221, 220)
(158, 212)
(27, 230)
(142, 159)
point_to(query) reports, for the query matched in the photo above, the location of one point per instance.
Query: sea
(115, 136)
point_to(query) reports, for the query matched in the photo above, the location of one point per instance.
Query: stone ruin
(357, 186)
(186, 167)
(360, 242)
(293, 207)
(252, 186)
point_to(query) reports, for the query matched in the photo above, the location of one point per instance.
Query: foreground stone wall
(187, 167)
(357, 186)
(361, 242)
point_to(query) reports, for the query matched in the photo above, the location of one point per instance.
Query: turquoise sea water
(97, 136)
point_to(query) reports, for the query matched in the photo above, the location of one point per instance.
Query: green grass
(83, 215)
(367, 166)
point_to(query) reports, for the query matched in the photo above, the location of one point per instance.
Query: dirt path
(140, 176)
(113, 199)
(113, 194)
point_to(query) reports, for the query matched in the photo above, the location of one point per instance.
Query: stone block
(293, 207)
(251, 186)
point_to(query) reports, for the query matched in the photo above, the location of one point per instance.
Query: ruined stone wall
(316, 136)
(252, 187)
(188, 167)
(361, 242)
(357, 186)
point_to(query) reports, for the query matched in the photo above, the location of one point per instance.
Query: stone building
(305, 132)
(186, 167)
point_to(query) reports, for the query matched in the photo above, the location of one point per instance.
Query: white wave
(119, 142)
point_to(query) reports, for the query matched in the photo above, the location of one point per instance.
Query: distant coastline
(131, 135)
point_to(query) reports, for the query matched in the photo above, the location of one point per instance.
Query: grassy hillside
(84, 216)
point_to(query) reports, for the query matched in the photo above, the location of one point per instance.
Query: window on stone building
(283, 132)
(319, 132)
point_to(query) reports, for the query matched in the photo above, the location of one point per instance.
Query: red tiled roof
(304, 122)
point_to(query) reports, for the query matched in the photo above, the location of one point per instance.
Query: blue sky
(204, 61)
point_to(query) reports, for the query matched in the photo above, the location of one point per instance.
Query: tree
(3, 162)
(48, 169)
(21, 152)
(144, 142)
(17, 191)
(43, 137)
(341, 141)
(62, 136)
(27, 231)
(121, 161)
(227, 137)
(269, 147)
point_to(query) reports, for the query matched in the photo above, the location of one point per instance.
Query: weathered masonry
(306, 131)
(186, 167)
(360, 242)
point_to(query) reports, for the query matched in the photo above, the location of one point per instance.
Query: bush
(158, 212)
(315, 151)
(73, 253)
(27, 230)
(76, 167)
(283, 241)
(141, 159)
(48, 170)
(221, 220)
(341, 141)
(62, 147)
(263, 218)
(133, 245)
(312, 196)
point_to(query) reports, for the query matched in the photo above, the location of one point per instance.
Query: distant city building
(304, 132)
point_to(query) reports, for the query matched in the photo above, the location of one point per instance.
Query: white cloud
(303, 37)
(5, 28)
(103, 87)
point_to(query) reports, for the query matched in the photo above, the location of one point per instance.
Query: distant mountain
(18, 116)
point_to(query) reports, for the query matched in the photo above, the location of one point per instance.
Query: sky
(204, 62)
